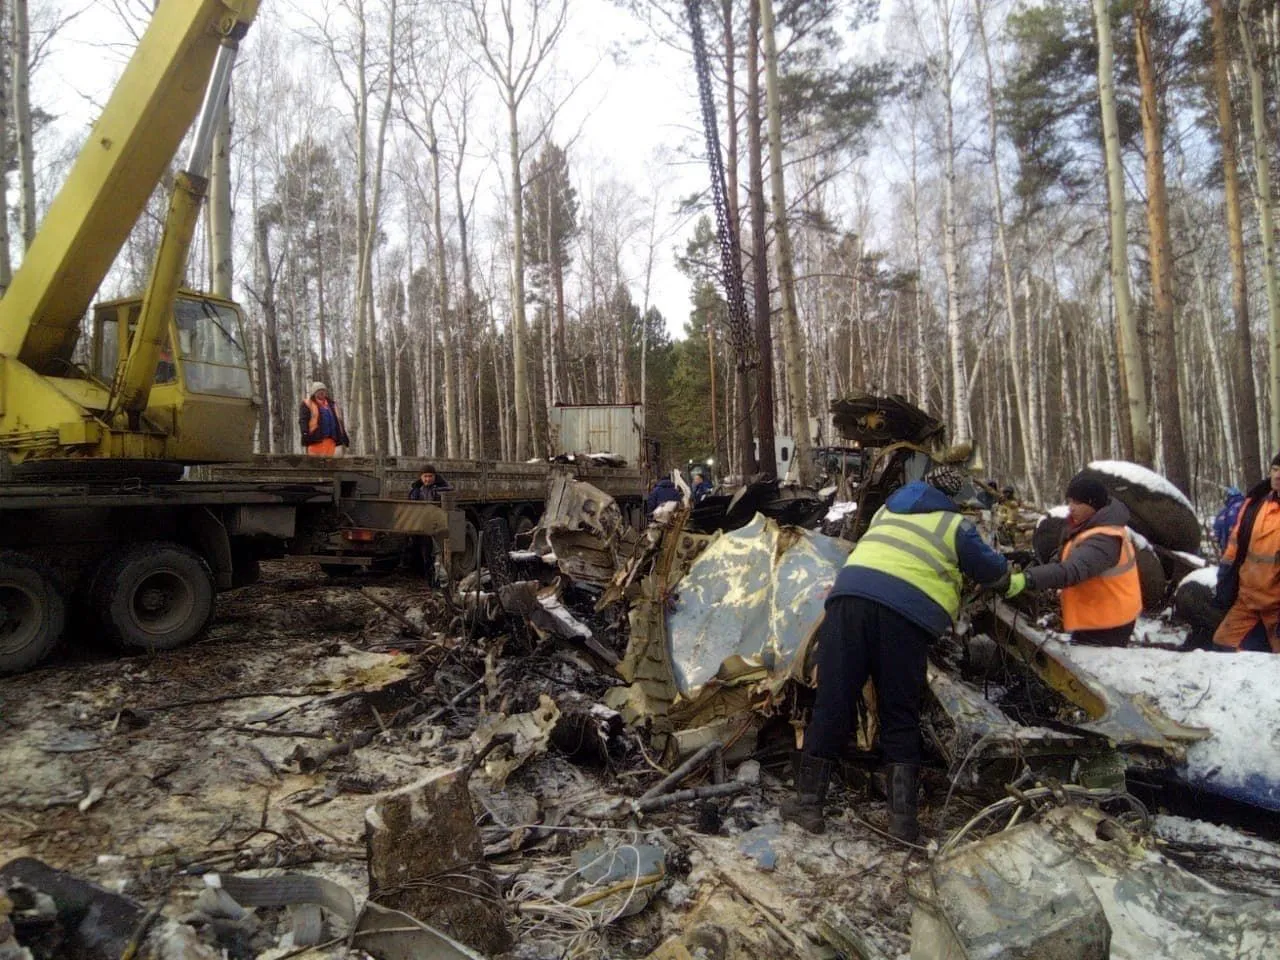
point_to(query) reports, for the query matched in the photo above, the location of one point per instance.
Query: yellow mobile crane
(91, 508)
(168, 380)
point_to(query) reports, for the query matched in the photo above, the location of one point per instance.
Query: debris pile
(579, 751)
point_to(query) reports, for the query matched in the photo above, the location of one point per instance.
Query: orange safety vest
(1259, 588)
(1112, 598)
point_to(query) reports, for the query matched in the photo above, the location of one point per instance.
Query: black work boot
(812, 781)
(904, 794)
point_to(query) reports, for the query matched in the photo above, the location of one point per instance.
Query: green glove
(1017, 583)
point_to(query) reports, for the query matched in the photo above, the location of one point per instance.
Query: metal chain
(740, 336)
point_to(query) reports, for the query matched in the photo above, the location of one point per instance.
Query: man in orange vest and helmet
(321, 423)
(1249, 577)
(1098, 569)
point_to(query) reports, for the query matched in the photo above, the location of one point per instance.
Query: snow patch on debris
(1139, 541)
(1141, 477)
(1152, 632)
(1061, 511)
(840, 509)
(1183, 830)
(1231, 694)
(1193, 559)
(1207, 575)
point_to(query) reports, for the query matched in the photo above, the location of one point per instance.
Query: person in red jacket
(321, 423)
(1249, 577)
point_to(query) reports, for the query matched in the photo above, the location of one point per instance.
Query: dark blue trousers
(861, 638)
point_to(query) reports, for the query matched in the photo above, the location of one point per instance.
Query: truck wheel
(469, 559)
(520, 523)
(32, 612)
(154, 596)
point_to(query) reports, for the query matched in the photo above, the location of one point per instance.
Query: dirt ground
(139, 773)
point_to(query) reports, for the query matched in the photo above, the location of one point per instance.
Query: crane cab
(202, 406)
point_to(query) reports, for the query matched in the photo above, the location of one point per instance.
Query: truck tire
(470, 558)
(33, 612)
(154, 596)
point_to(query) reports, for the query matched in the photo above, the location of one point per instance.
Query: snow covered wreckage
(580, 753)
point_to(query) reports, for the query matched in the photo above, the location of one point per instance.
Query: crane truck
(94, 513)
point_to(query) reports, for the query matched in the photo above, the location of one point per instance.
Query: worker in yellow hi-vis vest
(898, 592)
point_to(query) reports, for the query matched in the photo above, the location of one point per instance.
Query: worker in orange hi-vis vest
(321, 423)
(1097, 570)
(1249, 576)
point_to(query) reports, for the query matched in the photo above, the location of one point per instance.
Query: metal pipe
(215, 98)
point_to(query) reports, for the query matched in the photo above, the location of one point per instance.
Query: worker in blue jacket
(1225, 521)
(897, 593)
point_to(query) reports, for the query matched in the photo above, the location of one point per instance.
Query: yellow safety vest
(918, 548)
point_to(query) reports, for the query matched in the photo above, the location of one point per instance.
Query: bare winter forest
(1049, 223)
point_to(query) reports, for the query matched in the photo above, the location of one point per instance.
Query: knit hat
(316, 387)
(946, 479)
(1088, 489)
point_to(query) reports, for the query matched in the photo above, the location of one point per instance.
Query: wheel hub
(162, 601)
(19, 615)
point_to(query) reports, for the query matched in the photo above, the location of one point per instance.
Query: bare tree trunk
(944, 75)
(219, 209)
(1164, 339)
(1131, 360)
(1262, 171)
(765, 423)
(1247, 399)
(792, 337)
(922, 370)
(20, 43)
(1030, 455)
(442, 294)
(271, 333)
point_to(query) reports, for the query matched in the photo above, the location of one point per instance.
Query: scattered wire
(1062, 794)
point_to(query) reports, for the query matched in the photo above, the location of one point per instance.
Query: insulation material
(750, 603)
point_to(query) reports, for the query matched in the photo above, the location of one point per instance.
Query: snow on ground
(1193, 559)
(1208, 575)
(1234, 695)
(1141, 477)
(840, 509)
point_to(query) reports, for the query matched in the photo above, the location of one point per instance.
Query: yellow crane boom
(47, 409)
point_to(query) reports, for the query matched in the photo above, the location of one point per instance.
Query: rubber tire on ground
(26, 576)
(117, 585)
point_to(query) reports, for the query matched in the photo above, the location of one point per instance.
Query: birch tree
(515, 39)
(1262, 173)
(1132, 361)
(1247, 405)
(1164, 340)
(1030, 454)
(943, 68)
(792, 338)
(20, 74)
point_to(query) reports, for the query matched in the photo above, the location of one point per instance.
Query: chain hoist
(740, 337)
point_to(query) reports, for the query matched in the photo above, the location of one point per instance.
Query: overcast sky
(631, 114)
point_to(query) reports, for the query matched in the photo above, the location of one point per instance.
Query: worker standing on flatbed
(321, 423)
